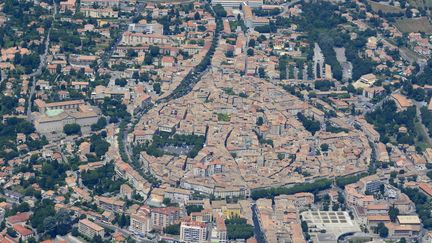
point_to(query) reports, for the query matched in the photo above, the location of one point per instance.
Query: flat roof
(408, 219)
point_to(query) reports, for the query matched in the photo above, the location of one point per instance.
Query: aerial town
(216, 121)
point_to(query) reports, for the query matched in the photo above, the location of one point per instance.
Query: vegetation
(163, 139)
(172, 229)
(317, 185)
(342, 181)
(193, 208)
(387, 120)
(223, 117)
(8, 134)
(237, 228)
(72, 129)
(323, 85)
(102, 180)
(309, 124)
(264, 12)
(193, 76)
(114, 109)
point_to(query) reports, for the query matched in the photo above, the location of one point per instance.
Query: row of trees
(193, 76)
(317, 185)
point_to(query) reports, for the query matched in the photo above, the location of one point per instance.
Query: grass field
(384, 8)
(414, 25)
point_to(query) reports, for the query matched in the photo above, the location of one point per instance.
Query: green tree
(172, 229)
(157, 88)
(260, 121)
(70, 129)
(382, 230)
(250, 52)
(324, 147)
(393, 213)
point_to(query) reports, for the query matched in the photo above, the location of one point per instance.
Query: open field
(384, 7)
(414, 25)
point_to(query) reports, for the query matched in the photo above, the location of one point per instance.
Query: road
(38, 71)
(423, 127)
(257, 229)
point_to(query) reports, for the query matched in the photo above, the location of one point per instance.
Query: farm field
(414, 25)
(384, 7)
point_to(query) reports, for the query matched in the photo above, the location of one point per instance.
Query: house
(126, 191)
(19, 218)
(401, 101)
(22, 232)
(167, 61)
(110, 204)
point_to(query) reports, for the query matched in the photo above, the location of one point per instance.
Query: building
(356, 198)
(219, 231)
(401, 101)
(237, 3)
(90, 229)
(22, 232)
(140, 222)
(193, 231)
(100, 3)
(99, 12)
(178, 195)
(134, 39)
(110, 204)
(52, 117)
(152, 28)
(163, 217)
(365, 81)
(371, 183)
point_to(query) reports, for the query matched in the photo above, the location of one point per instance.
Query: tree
(58, 69)
(121, 82)
(393, 213)
(11, 232)
(172, 229)
(250, 52)
(148, 59)
(100, 124)
(382, 230)
(193, 208)
(261, 72)
(237, 228)
(70, 129)
(324, 147)
(251, 43)
(259, 121)
(154, 51)
(157, 88)
(229, 54)
(197, 16)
